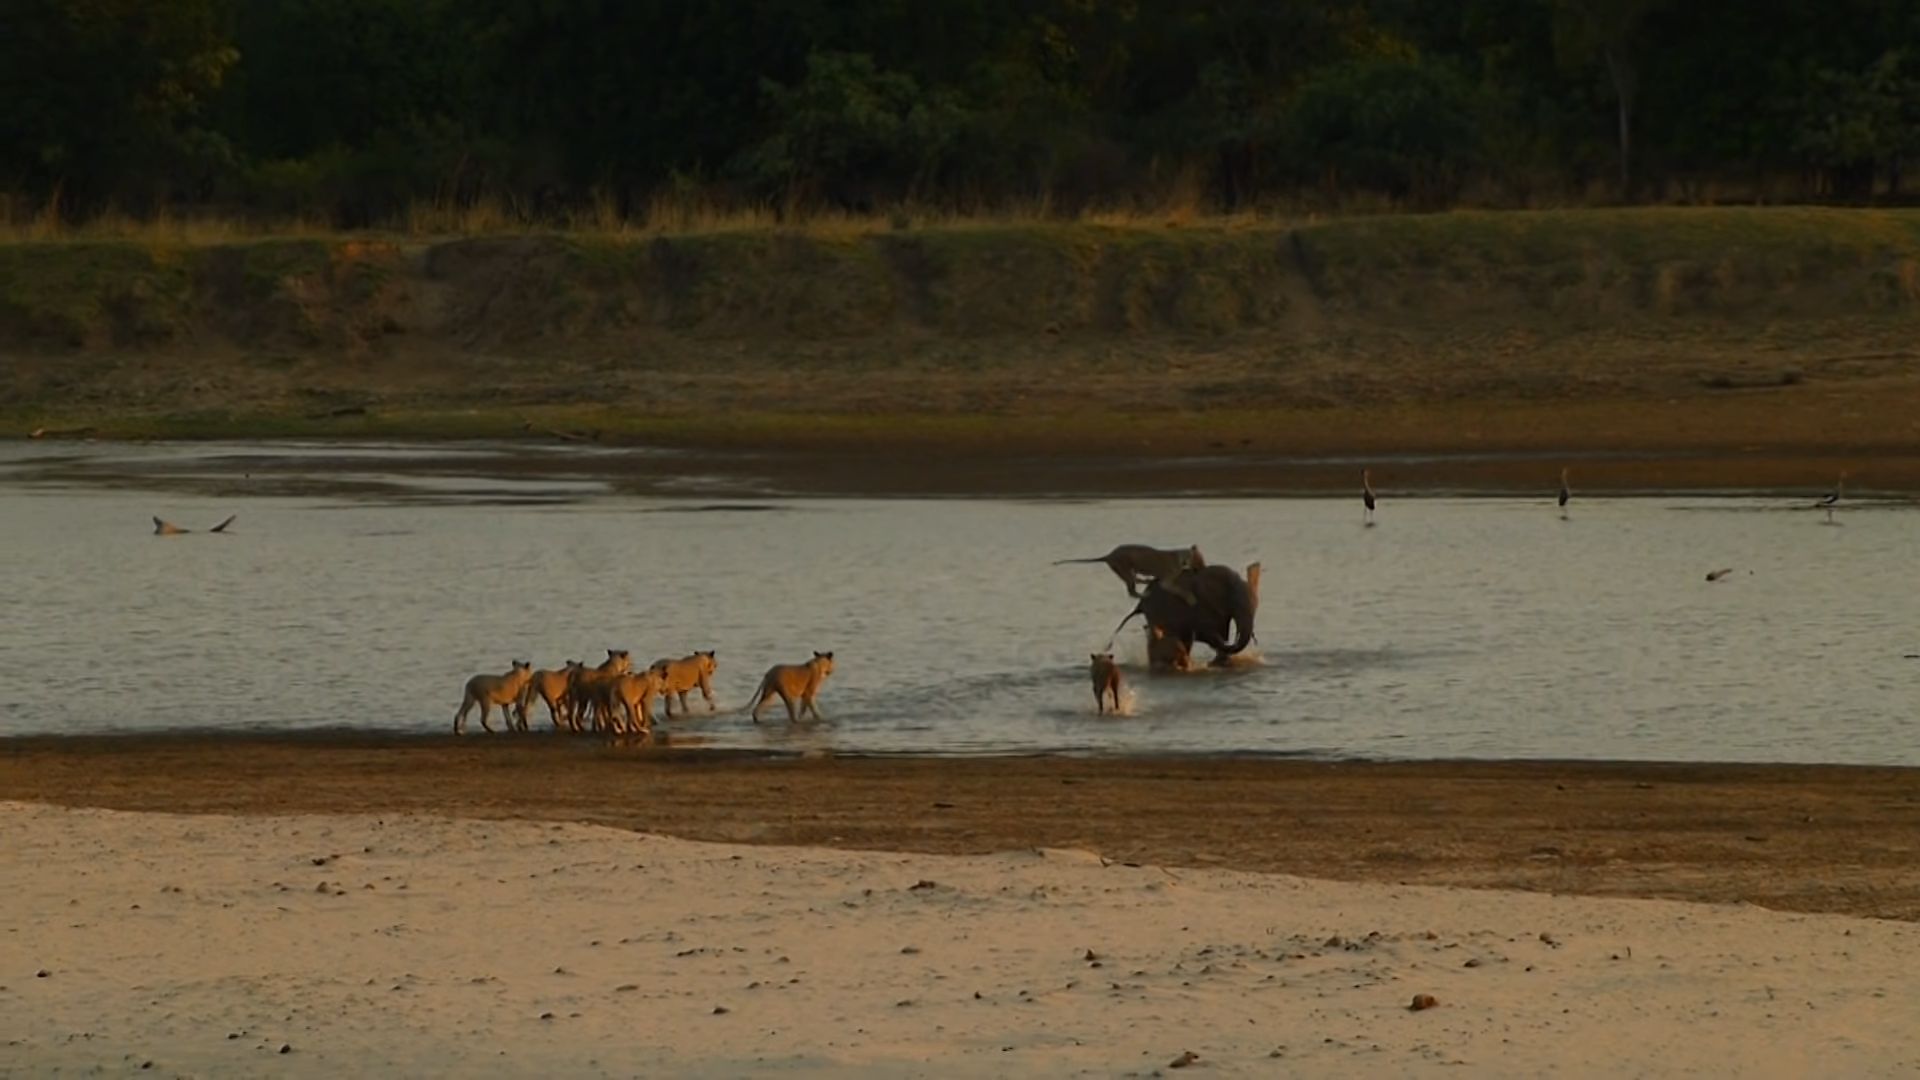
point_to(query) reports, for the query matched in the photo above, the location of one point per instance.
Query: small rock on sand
(1422, 1002)
(1186, 1058)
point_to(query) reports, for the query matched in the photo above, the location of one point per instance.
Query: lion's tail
(754, 698)
(1096, 558)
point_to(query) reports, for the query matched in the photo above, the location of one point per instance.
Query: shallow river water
(1459, 627)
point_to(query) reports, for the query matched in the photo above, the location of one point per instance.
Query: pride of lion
(613, 699)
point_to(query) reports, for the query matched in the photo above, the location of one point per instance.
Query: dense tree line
(354, 109)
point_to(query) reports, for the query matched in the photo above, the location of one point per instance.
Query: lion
(487, 691)
(627, 699)
(1106, 681)
(556, 689)
(794, 682)
(679, 676)
(1139, 564)
(584, 694)
(1166, 652)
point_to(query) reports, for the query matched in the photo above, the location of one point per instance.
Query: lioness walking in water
(1106, 682)
(487, 691)
(1138, 564)
(588, 683)
(679, 676)
(556, 689)
(628, 701)
(794, 683)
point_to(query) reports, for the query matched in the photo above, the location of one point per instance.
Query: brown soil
(1719, 347)
(1805, 838)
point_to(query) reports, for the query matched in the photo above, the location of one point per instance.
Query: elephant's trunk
(1242, 619)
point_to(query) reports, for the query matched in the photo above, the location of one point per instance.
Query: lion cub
(487, 691)
(1106, 681)
(794, 682)
(682, 675)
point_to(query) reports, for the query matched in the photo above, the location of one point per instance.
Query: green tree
(1391, 124)
(850, 132)
(1612, 31)
(1854, 123)
(104, 97)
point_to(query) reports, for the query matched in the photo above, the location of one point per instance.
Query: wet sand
(530, 470)
(1802, 838)
(1784, 439)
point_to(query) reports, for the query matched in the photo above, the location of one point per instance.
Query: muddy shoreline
(550, 471)
(1805, 838)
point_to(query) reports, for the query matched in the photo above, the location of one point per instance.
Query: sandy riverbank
(396, 943)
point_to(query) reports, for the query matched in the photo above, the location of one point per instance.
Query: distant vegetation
(462, 115)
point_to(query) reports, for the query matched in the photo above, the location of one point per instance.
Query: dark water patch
(720, 508)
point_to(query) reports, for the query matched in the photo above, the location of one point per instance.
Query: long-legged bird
(1832, 498)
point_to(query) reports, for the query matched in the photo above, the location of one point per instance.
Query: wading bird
(1566, 493)
(1832, 498)
(167, 528)
(1366, 492)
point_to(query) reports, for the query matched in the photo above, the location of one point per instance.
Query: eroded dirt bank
(1766, 335)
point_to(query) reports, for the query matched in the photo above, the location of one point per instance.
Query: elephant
(1227, 601)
